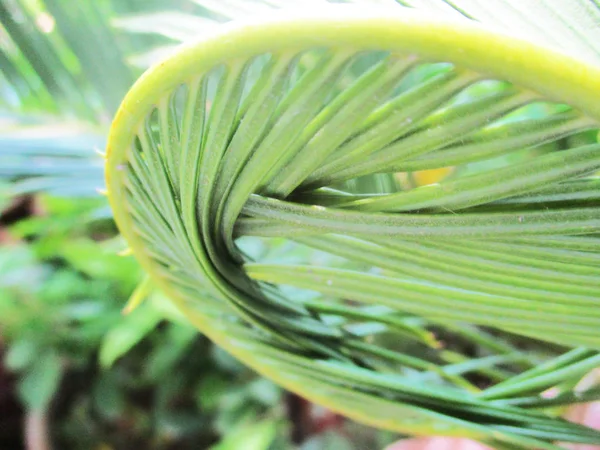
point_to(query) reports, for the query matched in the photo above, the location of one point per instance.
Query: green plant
(293, 127)
(517, 152)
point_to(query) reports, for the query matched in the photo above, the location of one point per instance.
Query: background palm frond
(60, 91)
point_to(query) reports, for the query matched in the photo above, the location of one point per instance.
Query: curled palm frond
(293, 132)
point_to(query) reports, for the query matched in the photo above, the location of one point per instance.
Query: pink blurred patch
(438, 444)
(586, 414)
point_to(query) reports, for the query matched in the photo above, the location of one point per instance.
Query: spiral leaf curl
(295, 128)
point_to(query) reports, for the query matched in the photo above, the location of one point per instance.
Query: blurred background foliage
(75, 372)
(105, 380)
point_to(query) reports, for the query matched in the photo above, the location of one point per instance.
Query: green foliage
(41, 380)
(130, 331)
(263, 132)
(53, 311)
(147, 378)
(256, 436)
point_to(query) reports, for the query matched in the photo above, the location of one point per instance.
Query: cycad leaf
(570, 26)
(177, 26)
(285, 127)
(61, 65)
(58, 157)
